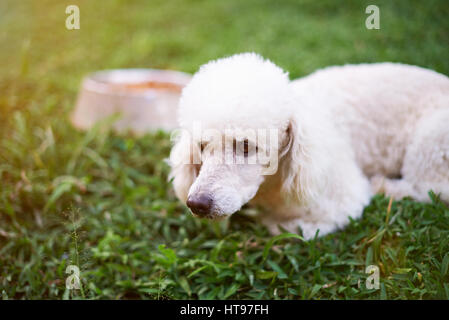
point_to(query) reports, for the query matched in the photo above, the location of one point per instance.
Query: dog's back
(379, 105)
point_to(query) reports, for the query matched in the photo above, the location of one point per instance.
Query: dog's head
(235, 118)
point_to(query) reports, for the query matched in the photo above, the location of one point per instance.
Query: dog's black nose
(200, 204)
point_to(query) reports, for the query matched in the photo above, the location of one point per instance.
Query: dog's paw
(309, 229)
(377, 184)
(312, 229)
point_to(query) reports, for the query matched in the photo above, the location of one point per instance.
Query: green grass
(103, 202)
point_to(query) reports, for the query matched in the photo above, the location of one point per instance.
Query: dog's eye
(202, 146)
(245, 147)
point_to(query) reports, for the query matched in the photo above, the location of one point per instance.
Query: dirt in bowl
(151, 85)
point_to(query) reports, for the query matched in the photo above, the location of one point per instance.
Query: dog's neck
(269, 193)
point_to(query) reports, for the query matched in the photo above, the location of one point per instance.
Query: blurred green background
(102, 201)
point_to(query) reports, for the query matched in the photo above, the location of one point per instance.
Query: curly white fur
(345, 133)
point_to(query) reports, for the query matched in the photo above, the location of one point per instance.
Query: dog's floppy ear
(307, 166)
(184, 162)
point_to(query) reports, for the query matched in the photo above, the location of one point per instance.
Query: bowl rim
(98, 81)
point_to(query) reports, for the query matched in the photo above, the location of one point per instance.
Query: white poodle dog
(342, 134)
